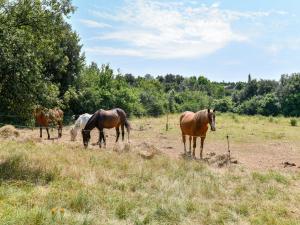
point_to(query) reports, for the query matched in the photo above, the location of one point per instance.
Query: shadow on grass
(18, 168)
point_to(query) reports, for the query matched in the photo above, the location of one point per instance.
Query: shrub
(268, 105)
(223, 105)
(293, 122)
(249, 107)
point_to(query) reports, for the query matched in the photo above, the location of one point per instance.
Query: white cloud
(166, 30)
(113, 51)
(290, 44)
(94, 24)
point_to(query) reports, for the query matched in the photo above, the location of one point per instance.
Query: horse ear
(214, 110)
(208, 110)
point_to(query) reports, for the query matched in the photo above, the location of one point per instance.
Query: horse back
(109, 118)
(189, 125)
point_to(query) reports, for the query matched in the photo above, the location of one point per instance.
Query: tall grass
(93, 187)
(62, 183)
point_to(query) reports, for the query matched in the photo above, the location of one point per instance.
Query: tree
(289, 94)
(266, 86)
(223, 104)
(269, 105)
(171, 101)
(39, 54)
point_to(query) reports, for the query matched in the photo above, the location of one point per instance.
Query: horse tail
(128, 127)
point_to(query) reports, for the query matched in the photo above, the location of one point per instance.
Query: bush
(192, 101)
(269, 105)
(293, 122)
(223, 105)
(249, 107)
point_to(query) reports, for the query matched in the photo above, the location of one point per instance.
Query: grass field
(59, 182)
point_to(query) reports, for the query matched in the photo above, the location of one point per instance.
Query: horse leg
(59, 130)
(194, 146)
(183, 140)
(104, 138)
(100, 138)
(118, 133)
(48, 133)
(123, 132)
(190, 149)
(41, 132)
(201, 148)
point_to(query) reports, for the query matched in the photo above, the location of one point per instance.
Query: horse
(196, 125)
(44, 117)
(79, 124)
(101, 119)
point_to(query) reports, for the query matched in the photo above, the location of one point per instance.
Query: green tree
(223, 104)
(39, 54)
(269, 105)
(289, 94)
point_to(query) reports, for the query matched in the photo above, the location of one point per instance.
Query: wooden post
(228, 147)
(167, 124)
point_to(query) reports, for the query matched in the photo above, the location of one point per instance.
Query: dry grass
(59, 182)
(9, 131)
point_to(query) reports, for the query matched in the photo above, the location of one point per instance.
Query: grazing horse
(195, 125)
(44, 117)
(79, 124)
(101, 119)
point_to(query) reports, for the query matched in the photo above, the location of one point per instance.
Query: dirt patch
(147, 151)
(9, 131)
(122, 147)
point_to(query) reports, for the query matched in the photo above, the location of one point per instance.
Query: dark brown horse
(101, 119)
(44, 117)
(196, 125)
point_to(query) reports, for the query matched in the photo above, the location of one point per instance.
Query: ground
(257, 142)
(59, 182)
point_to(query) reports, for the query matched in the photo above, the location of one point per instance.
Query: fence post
(167, 124)
(228, 147)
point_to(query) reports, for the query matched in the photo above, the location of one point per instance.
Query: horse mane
(92, 119)
(201, 118)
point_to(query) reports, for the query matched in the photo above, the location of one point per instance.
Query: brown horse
(44, 117)
(195, 125)
(101, 119)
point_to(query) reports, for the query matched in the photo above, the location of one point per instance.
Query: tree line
(41, 63)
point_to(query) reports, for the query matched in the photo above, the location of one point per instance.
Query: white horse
(79, 124)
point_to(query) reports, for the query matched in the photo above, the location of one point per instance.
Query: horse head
(212, 119)
(73, 133)
(86, 136)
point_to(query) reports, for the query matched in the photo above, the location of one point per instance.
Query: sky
(221, 40)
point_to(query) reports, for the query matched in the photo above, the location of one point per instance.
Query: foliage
(223, 104)
(41, 63)
(269, 105)
(249, 107)
(293, 122)
(289, 94)
(39, 54)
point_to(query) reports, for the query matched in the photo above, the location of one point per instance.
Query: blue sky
(222, 40)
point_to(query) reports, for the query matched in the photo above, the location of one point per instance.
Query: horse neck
(201, 119)
(121, 114)
(92, 122)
